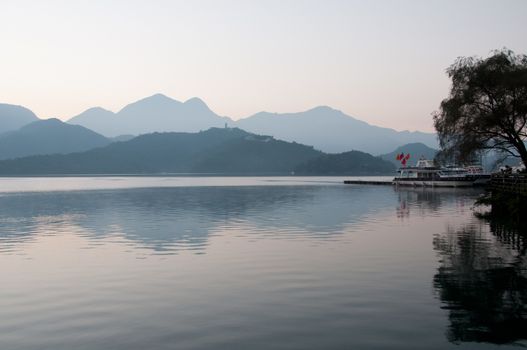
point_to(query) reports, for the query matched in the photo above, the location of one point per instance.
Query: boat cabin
(424, 169)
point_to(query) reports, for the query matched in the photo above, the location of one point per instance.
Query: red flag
(407, 156)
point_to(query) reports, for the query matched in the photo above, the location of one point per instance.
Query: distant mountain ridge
(50, 136)
(215, 151)
(331, 131)
(323, 127)
(157, 113)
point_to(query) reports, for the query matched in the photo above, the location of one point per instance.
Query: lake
(253, 263)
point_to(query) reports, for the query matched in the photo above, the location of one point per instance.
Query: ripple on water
(318, 266)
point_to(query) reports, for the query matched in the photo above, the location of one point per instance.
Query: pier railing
(510, 183)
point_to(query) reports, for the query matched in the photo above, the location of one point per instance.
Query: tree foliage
(486, 108)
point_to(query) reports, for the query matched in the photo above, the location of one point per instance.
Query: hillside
(347, 163)
(226, 151)
(48, 137)
(255, 154)
(416, 151)
(13, 117)
(215, 151)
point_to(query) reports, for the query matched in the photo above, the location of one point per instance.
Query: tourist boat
(426, 173)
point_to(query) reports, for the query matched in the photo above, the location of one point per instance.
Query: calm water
(253, 263)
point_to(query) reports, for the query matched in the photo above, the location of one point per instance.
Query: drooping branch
(486, 107)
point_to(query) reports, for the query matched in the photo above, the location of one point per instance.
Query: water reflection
(482, 282)
(171, 219)
(430, 201)
(256, 267)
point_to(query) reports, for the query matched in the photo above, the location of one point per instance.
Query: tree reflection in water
(482, 282)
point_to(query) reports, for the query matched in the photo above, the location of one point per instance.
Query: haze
(381, 61)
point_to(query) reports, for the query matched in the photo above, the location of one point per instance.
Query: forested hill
(215, 151)
(50, 136)
(212, 151)
(347, 163)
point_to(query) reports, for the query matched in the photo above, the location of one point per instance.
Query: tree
(486, 108)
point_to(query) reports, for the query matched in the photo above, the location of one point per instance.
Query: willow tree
(486, 108)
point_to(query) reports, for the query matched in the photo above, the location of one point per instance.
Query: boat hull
(440, 183)
(425, 174)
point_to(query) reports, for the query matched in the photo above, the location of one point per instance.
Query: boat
(426, 173)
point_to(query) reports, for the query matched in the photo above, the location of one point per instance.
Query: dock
(367, 182)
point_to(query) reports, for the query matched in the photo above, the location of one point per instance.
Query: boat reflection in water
(307, 265)
(482, 282)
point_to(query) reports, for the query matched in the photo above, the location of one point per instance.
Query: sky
(382, 62)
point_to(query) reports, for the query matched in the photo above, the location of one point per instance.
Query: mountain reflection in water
(171, 219)
(310, 266)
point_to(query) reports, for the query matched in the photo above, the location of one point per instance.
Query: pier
(367, 182)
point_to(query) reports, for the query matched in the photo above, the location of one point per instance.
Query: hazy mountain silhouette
(331, 131)
(48, 136)
(13, 117)
(97, 119)
(219, 151)
(416, 151)
(157, 113)
(352, 163)
(323, 127)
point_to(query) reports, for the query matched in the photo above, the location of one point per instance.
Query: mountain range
(215, 151)
(331, 131)
(325, 128)
(157, 113)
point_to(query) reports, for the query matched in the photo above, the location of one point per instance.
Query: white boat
(426, 173)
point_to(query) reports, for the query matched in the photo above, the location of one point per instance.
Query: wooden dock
(367, 182)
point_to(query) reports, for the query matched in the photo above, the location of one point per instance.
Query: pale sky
(380, 61)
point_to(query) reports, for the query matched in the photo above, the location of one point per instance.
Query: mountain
(416, 151)
(97, 119)
(221, 151)
(331, 131)
(48, 136)
(325, 128)
(13, 117)
(347, 163)
(157, 113)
